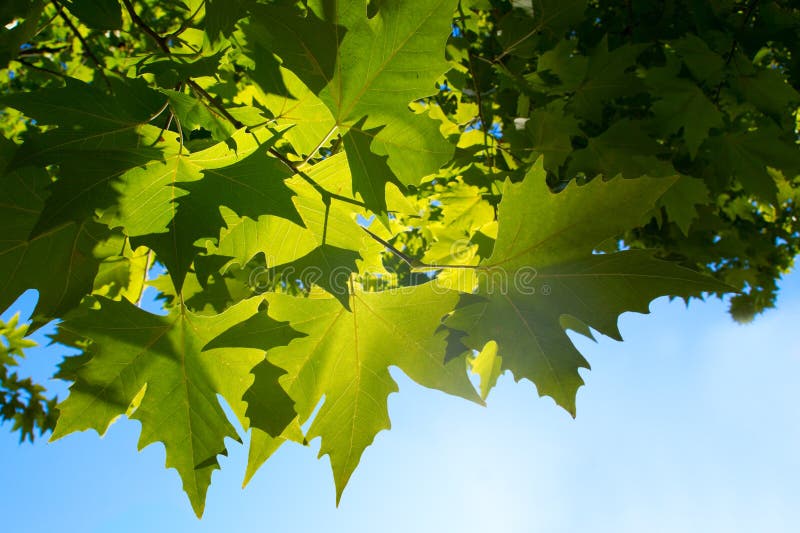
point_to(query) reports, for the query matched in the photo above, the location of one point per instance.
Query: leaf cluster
(323, 190)
(22, 402)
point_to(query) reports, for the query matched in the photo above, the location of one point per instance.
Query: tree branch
(87, 50)
(478, 97)
(734, 44)
(211, 101)
(43, 69)
(160, 41)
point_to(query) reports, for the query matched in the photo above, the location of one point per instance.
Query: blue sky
(690, 425)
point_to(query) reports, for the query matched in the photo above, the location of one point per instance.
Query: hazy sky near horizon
(690, 425)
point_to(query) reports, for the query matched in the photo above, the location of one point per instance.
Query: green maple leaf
(681, 199)
(194, 115)
(488, 365)
(704, 64)
(747, 155)
(551, 135)
(769, 92)
(544, 254)
(222, 16)
(378, 67)
(147, 196)
(683, 105)
(290, 103)
(263, 445)
(98, 137)
(205, 292)
(624, 148)
(190, 190)
(370, 172)
(155, 369)
(608, 76)
(175, 69)
(367, 71)
(98, 14)
(12, 38)
(548, 18)
(123, 275)
(329, 235)
(345, 357)
(60, 263)
(559, 70)
(464, 210)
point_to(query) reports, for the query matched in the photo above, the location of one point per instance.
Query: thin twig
(164, 128)
(188, 21)
(251, 129)
(478, 98)
(43, 69)
(180, 132)
(136, 19)
(415, 264)
(41, 50)
(218, 106)
(87, 50)
(509, 152)
(46, 24)
(735, 43)
(519, 41)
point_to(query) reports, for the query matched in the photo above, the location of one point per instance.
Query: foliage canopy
(335, 188)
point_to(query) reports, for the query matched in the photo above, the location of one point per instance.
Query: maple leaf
(704, 64)
(222, 15)
(345, 358)
(680, 201)
(154, 369)
(747, 155)
(367, 79)
(624, 148)
(60, 263)
(683, 105)
(325, 113)
(544, 253)
(549, 18)
(551, 135)
(99, 14)
(488, 366)
(608, 75)
(188, 192)
(288, 102)
(98, 138)
(329, 239)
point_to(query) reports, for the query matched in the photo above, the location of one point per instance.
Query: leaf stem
(415, 264)
(147, 265)
(180, 131)
(320, 145)
(82, 40)
(213, 102)
(158, 113)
